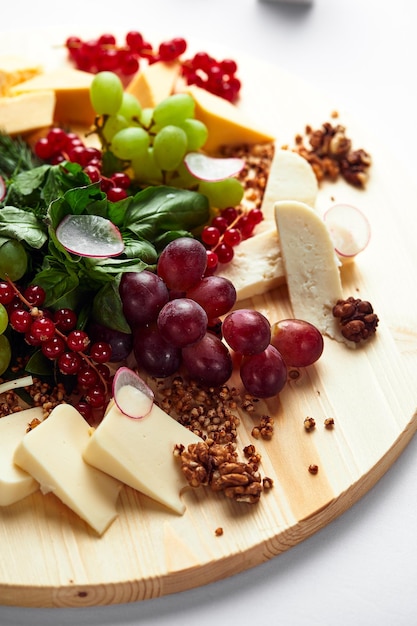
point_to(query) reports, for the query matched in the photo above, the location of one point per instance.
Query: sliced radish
(2, 188)
(131, 394)
(90, 236)
(348, 228)
(16, 383)
(212, 169)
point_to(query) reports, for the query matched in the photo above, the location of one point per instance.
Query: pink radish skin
(131, 394)
(90, 236)
(212, 169)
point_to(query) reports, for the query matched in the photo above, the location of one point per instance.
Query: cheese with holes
(290, 177)
(140, 452)
(154, 83)
(15, 483)
(72, 93)
(27, 112)
(14, 70)
(311, 266)
(52, 454)
(226, 124)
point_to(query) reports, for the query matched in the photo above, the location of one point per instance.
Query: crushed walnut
(313, 468)
(309, 424)
(331, 155)
(217, 466)
(357, 319)
(41, 394)
(264, 429)
(329, 423)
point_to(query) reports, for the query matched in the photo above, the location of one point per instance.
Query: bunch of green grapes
(155, 141)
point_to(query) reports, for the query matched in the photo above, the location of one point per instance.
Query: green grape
(146, 118)
(174, 109)
(13, 260)
(130, 108)
(106, 93)
(145, 169)
(222, 193)
(184, 179)
(196, 132)
(112, 125)
(5, 354)
(4, 318)
(170, 146)
(130, 143)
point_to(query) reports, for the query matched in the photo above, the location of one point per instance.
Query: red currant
(65, 319)
(43, 328)
(53, 348)
(78, 340)
(100, 352)
(35, 295)
(69, 363)
(6, 293)
(20, 320)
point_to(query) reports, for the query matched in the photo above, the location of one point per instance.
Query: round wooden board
(50, 558)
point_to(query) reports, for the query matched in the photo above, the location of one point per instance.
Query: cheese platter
(52, 558)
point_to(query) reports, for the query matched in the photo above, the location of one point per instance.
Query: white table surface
(362, 568)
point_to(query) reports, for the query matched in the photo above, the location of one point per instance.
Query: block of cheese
(52, 454)
(72, 92)
(15, 483)
(140, 453)
(311, 266)
(154, 83)
(227, 125)
(257, 265)
(29, 111)
(290, 177)
(14, 70)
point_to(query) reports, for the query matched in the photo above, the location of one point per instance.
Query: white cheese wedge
(257, 265)
(291, 177)
(52, 454)
(311, 266)
(26, 112)
(140, 453)
(15, 483)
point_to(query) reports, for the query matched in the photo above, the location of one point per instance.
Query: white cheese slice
(26, 112)
(52, 454)
(291, 177)
(311, 266)
(15, 483)
(140, 453)
(257, 265)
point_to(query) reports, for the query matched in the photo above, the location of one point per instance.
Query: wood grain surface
(50, 558)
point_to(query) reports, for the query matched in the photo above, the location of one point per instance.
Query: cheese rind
(140, 453)
(72, 93)
(257, 265)
(311, 265)
(15, 483)
(52, 454)
(226, 124)
(26, 112)
(154, 83)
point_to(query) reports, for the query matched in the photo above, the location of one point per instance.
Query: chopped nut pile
(42, 395)
(357, 318)
(330, 154)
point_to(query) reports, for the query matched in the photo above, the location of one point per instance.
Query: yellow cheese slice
(14, 70)
(15, 483)
(311, 266)
(140, 453)
(26, 112)
(72, 92)
(52, 454)
(226, 124)
(154, 83)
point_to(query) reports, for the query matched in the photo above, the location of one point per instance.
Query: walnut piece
(330, 154)
(357, 319)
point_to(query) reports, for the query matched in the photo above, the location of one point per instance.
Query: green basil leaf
(107, 308)
(22, 225)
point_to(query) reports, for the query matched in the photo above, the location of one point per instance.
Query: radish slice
(212, 169)
(90, 236)
(131, 394)
(348, 228)
(2, 189)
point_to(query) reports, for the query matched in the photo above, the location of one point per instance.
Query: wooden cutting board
(49, 558)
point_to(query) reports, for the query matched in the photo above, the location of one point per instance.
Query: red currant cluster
(218, 77)
(96, 55)
(56, 335)
(225, 232)
(58, 146)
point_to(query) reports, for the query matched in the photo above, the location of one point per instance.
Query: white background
(362, 568)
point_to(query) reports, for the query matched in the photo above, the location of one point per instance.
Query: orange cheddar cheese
(14, 70)
(154, 83)
(26, 112)
(72, 93)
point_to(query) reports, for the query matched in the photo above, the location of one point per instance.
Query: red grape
(182, 263)
(208, 361)
(157, 357)
(247, 331)
(217, 295)
(182, 322)
(264, 375)
(143, 295)
(300, 343)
